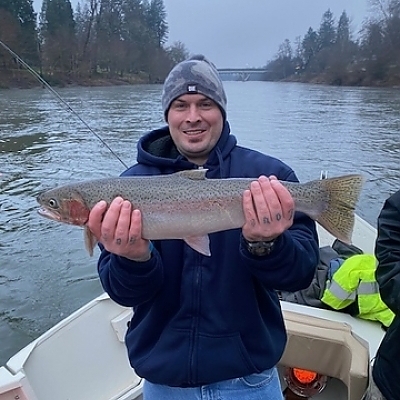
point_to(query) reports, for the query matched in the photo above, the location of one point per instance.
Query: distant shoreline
(23, 79)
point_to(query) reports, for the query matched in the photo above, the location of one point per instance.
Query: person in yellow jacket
(355, 281)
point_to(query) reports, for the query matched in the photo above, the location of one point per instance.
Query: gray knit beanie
(194, 75)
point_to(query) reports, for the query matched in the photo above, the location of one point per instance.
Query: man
(206, 327)
(386, 369)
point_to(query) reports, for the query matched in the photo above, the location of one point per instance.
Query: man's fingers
(285, 199)
(123, 223)
(268, 204)
(110, 220)
(135, 231)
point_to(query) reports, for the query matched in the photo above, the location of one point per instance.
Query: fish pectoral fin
(90, 240)
(199, 243)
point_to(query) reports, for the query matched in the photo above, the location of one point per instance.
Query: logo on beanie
(191, 88)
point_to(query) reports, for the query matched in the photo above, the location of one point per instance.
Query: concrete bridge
(243, 74)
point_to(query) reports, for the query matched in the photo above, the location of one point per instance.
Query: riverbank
(24, 79)
(354, 80)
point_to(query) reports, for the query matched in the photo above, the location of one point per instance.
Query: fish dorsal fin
(193, 174)
(199, 243)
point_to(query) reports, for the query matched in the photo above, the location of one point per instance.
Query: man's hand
(119, 229)
(268, 209)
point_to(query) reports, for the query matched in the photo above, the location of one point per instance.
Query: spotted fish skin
(187, 205)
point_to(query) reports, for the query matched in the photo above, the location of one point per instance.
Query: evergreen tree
(373, 51)
(326, 39)
(327, 33)
(18, 29)
(156, 19)
(310, 48)
(57, 34)
(343, 38)
(342, 53)
(393, 29)
(109, 34)
(136, 34)
(334, 57)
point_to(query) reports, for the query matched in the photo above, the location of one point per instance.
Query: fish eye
(53, 203)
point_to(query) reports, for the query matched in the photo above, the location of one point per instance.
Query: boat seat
(329, 348)
(82, 357)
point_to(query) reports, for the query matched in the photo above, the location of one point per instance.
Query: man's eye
(179, 106)
(206, 104)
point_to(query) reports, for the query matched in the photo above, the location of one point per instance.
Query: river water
(45, 273)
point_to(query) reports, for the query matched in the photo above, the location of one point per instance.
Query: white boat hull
(83, 357)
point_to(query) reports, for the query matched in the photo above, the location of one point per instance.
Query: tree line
(126, 40)
(102, 39)
(332, 55)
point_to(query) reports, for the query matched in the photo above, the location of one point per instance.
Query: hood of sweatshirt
(157, 149)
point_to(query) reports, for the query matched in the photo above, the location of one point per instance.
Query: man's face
(195, 123)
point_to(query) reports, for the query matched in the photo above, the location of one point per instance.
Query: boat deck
(84, 356)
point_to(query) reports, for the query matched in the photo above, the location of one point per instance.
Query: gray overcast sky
(240, 33)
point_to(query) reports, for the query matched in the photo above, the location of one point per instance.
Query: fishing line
(59, 98)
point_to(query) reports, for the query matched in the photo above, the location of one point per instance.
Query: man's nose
(193, 114)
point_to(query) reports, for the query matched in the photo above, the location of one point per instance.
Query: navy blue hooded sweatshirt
(200, 319)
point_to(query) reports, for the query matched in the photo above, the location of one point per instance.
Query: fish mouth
(44, 212)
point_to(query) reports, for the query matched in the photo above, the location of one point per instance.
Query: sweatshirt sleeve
(387, 251)
(127, 282)
(292, 263)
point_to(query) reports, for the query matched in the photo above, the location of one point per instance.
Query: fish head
(63, 205)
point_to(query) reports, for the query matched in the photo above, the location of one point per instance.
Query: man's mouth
(193, 132)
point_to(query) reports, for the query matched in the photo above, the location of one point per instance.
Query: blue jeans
(262, 386)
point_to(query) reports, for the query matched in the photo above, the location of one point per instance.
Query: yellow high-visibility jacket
(355, 281)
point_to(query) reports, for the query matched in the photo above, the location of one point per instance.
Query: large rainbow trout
(186, 205)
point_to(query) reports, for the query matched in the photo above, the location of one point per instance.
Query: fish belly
(181, 220)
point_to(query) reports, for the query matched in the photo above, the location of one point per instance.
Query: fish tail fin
(343, 194)
(90, 240)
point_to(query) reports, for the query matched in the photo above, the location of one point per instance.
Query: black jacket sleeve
(387, 252)
(386, 368)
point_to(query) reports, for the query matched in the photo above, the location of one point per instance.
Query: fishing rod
(59, 98)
